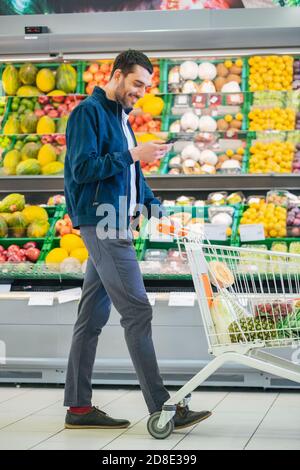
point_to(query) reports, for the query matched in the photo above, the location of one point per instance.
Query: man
(102, 168)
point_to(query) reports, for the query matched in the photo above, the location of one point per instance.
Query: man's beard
(121, 97)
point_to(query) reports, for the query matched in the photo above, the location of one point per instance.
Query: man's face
(132, 87)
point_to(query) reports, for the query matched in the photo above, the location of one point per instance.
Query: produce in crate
(29, 80)
(12, 203)
(273, 157)
(271, 73)
(55, 200)
(144, 123)
(64, 226)
(272, 119)
(293, 222)
(296, 74)
(205, 77)
(150, 168)
(18, 254)
(150, 104)
(272, 217)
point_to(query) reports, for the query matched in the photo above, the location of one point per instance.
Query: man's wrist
(134, 154)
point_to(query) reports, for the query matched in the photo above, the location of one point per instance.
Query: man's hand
(150, 151)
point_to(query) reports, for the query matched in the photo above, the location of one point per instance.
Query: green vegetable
(222, 316)
(251, 329)
(290, 326)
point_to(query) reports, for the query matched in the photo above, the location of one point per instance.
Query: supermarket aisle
(32, 418)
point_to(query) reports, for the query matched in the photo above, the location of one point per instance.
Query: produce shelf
(170, 63)
(36, 185)
(48, 65)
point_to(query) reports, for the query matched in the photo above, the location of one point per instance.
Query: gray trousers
(113, 276)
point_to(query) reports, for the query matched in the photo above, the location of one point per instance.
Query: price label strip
(181, 299)
(41, 299)
(215, 232)
(252, 232)
(69, 295)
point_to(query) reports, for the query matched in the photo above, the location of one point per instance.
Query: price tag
(181, 299)
(38, 299)
(68, 295)
(151, 298)
(252, 232)
(215, 232)
(4, 288)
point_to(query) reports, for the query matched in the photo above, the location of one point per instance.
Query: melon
(29, 123)
(10, 80)
(28, 90)
(66, 78)
(10, 162)
(29, 167)
(3, 227)
(45, 80)
(30, 150)
(27, 74)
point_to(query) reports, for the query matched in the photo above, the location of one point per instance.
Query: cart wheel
(155, 431)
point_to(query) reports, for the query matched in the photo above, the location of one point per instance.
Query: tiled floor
(33, 418)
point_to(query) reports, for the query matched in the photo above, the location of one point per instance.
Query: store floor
(33, 418)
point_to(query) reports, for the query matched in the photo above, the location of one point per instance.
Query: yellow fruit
(45, 80)
(229, 153)
(240, 151)
(80, 253)
(32, 213)
(228, 64)
(53, 168)
(57, 93)
(228, 118)
(71, 242)
(46, 125)
(154, 105)
(56, 256)
(239, 63)
(46, 154)
(239, 117)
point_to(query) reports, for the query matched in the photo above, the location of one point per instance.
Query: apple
(48, 108)
(43, 99)
(39, 112)
(2, 249)
(13, 249)
(14, 258)
(2, 258)
(61, 139)
(53, 113)
(29, 245)
(32, 254)
(58, 99)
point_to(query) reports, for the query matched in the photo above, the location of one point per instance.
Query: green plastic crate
(268, 241)
(196, 212)
(48, 65)
(165, 167)
(169, 63)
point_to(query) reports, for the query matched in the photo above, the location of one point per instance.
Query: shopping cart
(249, 300)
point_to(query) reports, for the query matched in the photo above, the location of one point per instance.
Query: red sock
(80, 410)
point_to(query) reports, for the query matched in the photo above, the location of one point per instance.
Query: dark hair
(127, 60)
